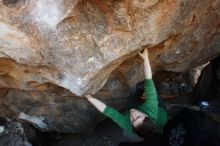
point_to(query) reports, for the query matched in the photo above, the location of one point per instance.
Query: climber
(148, 118)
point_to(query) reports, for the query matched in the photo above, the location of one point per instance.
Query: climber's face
(137, 117)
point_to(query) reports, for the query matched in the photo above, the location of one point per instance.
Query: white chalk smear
(95, 62)
(2, 129)
(52, 11)
(48, 12)
(37, 120)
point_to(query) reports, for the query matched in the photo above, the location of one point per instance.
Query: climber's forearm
(97, 103)
(147, 69)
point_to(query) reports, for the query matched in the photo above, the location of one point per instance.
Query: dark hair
(145, 129)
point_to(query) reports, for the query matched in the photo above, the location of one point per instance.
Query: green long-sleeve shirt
(150, 107)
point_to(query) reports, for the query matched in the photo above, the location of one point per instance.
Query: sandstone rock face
(84, 41)
(82, 45)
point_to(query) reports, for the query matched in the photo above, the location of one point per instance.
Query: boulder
(76, 44)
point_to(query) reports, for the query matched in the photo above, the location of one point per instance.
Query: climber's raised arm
(147, 67)
(97, 103)
(117, 117)
(150, 106)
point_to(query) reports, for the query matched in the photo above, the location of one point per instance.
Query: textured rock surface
(80, 45)
(84, 41)
(54, 108)
(208, 86)
(13, 134)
